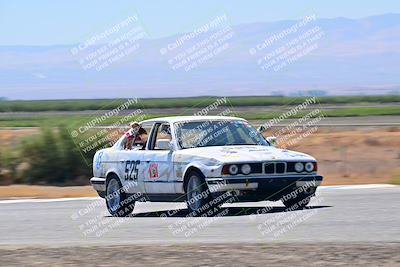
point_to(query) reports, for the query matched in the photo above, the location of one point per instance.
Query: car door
(131, 169)
(158, 177)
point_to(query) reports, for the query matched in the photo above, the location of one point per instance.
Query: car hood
(233, 154)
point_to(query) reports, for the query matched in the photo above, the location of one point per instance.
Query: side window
(162, 137)
(135, 140)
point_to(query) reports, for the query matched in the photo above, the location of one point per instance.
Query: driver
(135, 135)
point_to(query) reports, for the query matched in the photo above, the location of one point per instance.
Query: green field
(106, 104)
(77, 120)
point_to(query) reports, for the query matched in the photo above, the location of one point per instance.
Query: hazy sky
(44, 22)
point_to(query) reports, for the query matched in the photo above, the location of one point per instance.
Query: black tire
(197, 194)
(117, 201)
(298, 203)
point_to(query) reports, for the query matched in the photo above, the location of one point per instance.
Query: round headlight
(299, 167)
(246, 169)
(233, 169)
(309, 166)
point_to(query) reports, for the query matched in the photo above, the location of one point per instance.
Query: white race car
(203, 160)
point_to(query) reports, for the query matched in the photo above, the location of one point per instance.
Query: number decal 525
(131, 170)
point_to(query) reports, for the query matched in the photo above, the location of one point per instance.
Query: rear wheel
(118, 203)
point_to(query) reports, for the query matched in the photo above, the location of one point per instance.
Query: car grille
(275, 167)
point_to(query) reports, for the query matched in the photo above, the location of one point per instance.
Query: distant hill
(353, 56)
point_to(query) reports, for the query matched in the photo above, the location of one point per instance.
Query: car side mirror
(261, 129)
(272, 140)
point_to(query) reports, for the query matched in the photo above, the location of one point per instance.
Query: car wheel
(298, 203)
(197, 194)
(118, 204)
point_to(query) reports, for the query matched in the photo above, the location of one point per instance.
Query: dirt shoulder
(37, 191)
(294, 254)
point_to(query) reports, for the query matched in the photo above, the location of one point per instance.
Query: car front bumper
(99, 184)
(263, 184)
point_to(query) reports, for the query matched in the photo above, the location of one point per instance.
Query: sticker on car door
(153, 170)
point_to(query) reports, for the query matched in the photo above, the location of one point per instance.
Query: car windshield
(217, 133)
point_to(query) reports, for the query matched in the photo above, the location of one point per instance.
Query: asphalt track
(338, 214)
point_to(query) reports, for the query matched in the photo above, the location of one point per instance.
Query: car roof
(175, 119)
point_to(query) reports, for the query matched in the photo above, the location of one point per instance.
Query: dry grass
(358, 155)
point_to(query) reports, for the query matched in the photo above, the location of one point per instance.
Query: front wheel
(197, 194)
(118, 204)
